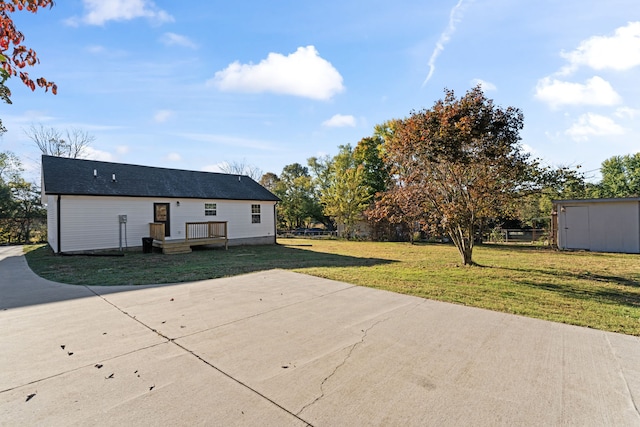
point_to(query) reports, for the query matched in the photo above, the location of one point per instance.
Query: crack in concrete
(341, 364)
(348, 356)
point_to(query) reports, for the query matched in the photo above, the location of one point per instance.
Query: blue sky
(192, 85)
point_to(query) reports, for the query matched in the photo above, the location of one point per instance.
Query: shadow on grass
(136, 268)
(602, 287)
(517, 247)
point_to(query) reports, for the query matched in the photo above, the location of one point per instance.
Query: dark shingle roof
(76, 177)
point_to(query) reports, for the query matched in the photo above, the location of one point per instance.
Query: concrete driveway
(278, 348)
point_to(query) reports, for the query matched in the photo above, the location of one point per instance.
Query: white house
(599, 225)
(94, 205)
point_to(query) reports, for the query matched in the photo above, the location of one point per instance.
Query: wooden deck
(196, 234)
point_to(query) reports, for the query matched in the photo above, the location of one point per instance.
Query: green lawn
(600, 291)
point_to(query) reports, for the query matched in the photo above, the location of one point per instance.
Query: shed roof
(608, 200)
(67, 176)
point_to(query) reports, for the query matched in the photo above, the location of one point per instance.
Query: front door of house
(161, 215)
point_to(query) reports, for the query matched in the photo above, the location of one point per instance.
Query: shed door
(576, 227)
(161, 215)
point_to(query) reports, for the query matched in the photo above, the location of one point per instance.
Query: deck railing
(205, 230)
(193, 230)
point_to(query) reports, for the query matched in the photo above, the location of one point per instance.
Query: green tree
(459, 162)
(369, 155)
(346, 194)
(299, 204)
(270, 181)
(321, 172)
(620, 176)
(28, 210)
(10, 169)
(20, 207)
(563, 182)
(10, 166)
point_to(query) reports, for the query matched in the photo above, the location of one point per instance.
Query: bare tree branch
(73, 143)
(242, 168)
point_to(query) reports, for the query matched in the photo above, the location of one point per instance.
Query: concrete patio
(277, 348)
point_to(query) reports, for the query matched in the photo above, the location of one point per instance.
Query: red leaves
(21, 56)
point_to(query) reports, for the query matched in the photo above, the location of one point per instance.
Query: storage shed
(599, 225)
(93, 205)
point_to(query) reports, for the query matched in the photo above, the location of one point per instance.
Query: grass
(596, 290)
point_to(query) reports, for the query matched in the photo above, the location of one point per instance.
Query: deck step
(176, 249)
(184, 246)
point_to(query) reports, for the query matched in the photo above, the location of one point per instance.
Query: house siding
(611, 226)
(91, 223)
(52, 221)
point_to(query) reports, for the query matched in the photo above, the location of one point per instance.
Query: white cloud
(486, 86)
(593, 125)
(174, 157)
(123, 149)
(95, 154)
(218, 167)
(98, 12)
(627, 113)
(595, 91)
(162, 116)
(303, 73)
(528, 149)
(619, 52)
(173, 39)
(30, 117)
(455, 16)
(339, 121)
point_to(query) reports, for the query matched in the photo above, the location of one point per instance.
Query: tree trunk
(464, 244)
(466, 255)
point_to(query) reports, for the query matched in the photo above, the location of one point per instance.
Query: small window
(255, 214)
(210, 209)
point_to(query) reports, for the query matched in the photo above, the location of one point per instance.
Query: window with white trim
(255, 214)
(210, 209)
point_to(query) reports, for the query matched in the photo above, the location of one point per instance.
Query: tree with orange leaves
(456, 164)
(13, 62)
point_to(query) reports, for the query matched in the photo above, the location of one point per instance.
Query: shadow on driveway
(47, 277)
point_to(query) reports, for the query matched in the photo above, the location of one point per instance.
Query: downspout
(59, 227)
(275, 223)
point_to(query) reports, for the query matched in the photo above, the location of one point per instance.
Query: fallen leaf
(98, 366)
(31, 396)
(109, 377)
